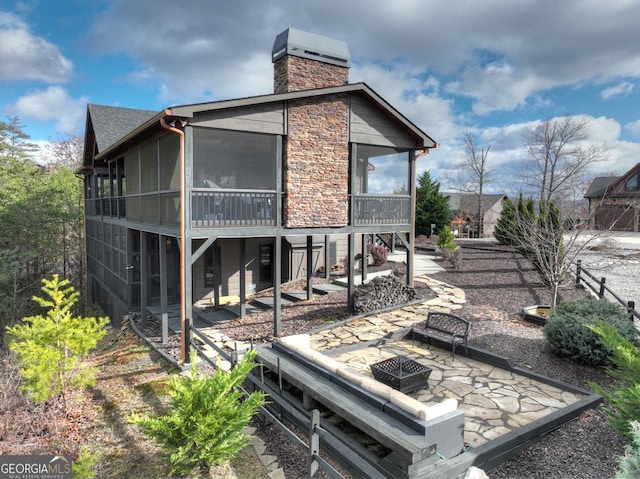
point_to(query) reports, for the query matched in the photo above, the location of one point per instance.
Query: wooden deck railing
(223, 208)
(382, 209)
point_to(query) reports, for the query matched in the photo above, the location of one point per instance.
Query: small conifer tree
(51, 349)
(205, 419)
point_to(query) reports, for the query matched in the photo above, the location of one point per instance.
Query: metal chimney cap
(311, 46)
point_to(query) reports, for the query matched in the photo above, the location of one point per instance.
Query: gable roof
(612, 186)
(106, 125)
(114, 127)
(599, 186)
(469, 201)
(111, 123)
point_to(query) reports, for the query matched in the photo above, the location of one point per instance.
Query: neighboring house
(464, 208)
(213, 199)
(614, 201)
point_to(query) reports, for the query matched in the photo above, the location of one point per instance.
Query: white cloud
(53, 104)
(507, 57)
(24, 56)
(633, 127)
(620, 89)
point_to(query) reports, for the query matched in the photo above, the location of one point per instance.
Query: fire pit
(537, 313)
(401, 373)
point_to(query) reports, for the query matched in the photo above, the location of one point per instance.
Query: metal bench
(449, 327)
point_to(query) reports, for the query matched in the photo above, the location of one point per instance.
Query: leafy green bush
(630, 462)
(51, 348)
(446, 239)
(84, 467)
(623, 401)
(569, 335)
(205, 418)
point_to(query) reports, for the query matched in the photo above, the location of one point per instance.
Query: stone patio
(495, 401)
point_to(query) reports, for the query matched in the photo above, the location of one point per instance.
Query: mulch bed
(497, 284)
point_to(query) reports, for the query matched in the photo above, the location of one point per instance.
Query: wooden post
(314, 443)
(277, 279)
(162, 241)
(578, 270)
(309, 266)
(631, 306)
(242, 266)
(364, 258)
(144, 278)
(350, 266)
(327, 257)
(602, 282)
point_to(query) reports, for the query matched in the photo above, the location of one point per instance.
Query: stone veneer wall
(316, 170)
(291, 73)
(317, 163)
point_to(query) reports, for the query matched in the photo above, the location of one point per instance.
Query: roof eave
(188, 111)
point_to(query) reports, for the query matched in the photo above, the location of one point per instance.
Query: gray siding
(268, 118)
(369, 125)
(230, 272)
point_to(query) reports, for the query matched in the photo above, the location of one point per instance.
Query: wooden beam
(203, 247)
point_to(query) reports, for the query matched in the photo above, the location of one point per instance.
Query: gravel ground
(497, 285)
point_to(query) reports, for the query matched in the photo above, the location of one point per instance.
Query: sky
(491, 68)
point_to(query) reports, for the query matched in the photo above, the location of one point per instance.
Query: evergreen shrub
(51, 349)
(205, 419)
(446, 239)
(630, 462)
(623, 400)
(569, 335)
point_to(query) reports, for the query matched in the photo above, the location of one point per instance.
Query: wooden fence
(280, 410)
(599, 286)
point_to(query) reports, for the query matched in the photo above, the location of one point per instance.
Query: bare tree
(547, 239)
(560, 156)
(474, 174)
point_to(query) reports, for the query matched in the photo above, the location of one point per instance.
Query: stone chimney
(303, 61)
(316, 168)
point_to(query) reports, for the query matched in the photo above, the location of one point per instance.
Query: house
(614, 201)
(464, 210)
(230, 197)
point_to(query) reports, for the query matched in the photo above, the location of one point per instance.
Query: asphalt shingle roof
(112, 123)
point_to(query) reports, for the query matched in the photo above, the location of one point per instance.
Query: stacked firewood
(382, 292)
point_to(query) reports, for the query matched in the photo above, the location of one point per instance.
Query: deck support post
(164, 312)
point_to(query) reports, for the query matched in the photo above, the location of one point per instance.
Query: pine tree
(50, 349)
(432, 207)
(205, 418)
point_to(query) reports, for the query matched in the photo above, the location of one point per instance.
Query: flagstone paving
(495, 401)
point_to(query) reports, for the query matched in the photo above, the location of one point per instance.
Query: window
(381, 170)
(234, 159)
(633, 183)
(266, 263)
